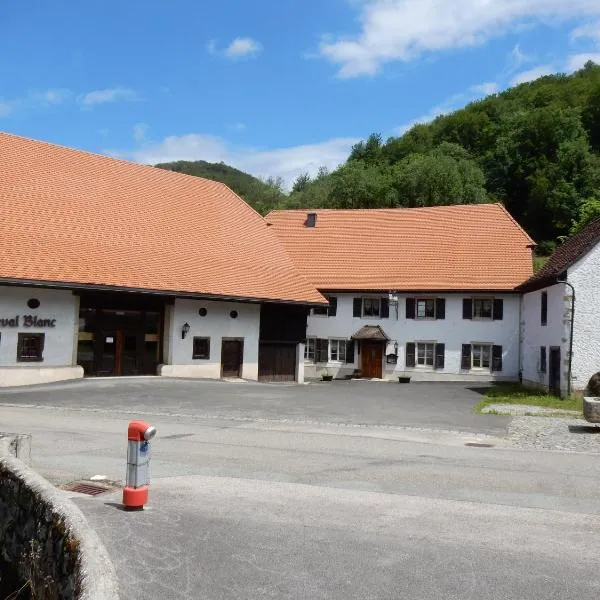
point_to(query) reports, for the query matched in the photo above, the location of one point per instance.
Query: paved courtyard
(447, 406)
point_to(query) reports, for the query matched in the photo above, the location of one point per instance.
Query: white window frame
(425, 300)
(424, 346)
(481, 346)
(307, 349)
(482, 300)
(340, 349)
(373, 300)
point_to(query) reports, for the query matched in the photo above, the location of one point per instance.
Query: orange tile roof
(461, 247)
(74, 217)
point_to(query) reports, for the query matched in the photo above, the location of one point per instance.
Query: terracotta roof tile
(74, 217)
(564, 256)
(461, 247)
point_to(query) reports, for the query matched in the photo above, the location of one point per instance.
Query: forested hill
(535, 148)
(262, 195)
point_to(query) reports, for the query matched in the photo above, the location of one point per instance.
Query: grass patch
(518, 394)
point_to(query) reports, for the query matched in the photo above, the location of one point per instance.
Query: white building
(426, 293)
(549, 324)
(114, 268)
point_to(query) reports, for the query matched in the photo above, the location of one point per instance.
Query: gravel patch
(519, 410)
(554, 433)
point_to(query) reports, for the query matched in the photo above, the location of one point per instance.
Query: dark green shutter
(498, 309)
(440, 308)
(496, 358)
(465, 358)
(410, 308)
(332, 306)
(440, 350)
(385, 308)
(349, 351)
(467, 308)
(321, 350)
(410, 354)
(544, 315)
(357, 307)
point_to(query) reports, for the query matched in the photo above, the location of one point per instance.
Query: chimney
(311, 220)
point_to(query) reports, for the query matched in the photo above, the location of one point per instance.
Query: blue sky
(274, 87)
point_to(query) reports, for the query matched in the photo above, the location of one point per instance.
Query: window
(33, 303)
(543, 360)
(30, 347)
(483, 309)
(201, 348)
(337, 350)
(544, 308)
(371, 307)
(309, 349)
(481, 356)
(203, 312)
(426, 308)
(326, 311)
(425, 353)
(233, 314)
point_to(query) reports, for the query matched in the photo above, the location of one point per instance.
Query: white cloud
(392, 30)
(117, 94)
(139, 131)
(532, 74)
(5, 108)
(589, 31)
(286, 163)
(237, 127)
(54, 96)
(577, 61)
(243, 47)
(485, 89)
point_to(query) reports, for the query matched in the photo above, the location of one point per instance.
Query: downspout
(521, 331)
(570, 336)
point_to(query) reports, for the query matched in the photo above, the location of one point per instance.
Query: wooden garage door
(277, 362)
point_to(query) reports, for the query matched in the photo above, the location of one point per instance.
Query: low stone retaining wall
(591, 409)
(46, 538)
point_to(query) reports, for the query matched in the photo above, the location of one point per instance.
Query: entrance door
(371, 359)
(277, 362)
(554, 371)
(232, 356)
(119, 353)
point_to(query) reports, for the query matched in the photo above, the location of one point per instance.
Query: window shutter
(544, 315)
(496, 358)
(350, 351)
(357, 307)
(385, 308)
(410, 354)
(321, 350)
(440, 308)
(410, 308)
(332, 306)
(465, 359)
(467, 309)
(440, 350)
(498, 309)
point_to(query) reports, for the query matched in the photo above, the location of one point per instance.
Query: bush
(593, 386)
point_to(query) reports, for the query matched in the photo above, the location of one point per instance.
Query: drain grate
(479, 445)
(91, 489)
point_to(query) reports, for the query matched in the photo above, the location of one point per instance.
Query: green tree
(589, 211)
(360, 185)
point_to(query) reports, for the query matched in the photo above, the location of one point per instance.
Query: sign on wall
(26, 321)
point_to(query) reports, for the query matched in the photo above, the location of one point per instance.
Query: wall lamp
(185, 330)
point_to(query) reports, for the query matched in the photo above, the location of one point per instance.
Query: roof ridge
(107, 157)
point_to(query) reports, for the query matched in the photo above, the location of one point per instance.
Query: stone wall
(47, 539)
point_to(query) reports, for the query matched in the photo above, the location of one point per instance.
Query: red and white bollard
(137, 478)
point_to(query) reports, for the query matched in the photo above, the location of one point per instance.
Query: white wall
(453, 331)
(535, 335)
(584, 275)
(59, 348)
(217, 324)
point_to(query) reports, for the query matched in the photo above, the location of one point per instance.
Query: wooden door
(232, 353)
(371, 359)
(277, 362)
(554, 371)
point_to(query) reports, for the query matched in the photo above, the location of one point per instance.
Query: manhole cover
(479, 445)
(91, 489)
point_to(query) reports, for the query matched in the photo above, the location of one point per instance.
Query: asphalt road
(273, 506)
(431, 405)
